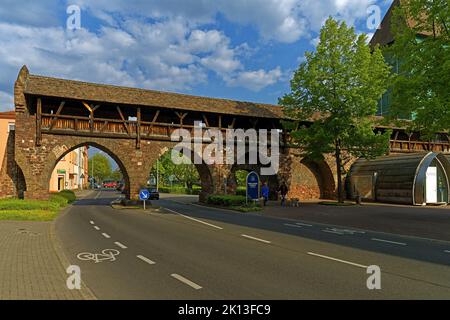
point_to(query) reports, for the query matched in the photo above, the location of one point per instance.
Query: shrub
(59, 200)
(69, 195)
(226, 200)
(241, 191)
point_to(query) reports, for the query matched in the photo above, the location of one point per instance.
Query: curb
(85, 292)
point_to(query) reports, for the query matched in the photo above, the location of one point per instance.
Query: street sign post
(144, 195)
(252, 186)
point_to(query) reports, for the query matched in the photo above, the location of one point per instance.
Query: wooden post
(55, 118)
(138, 129)
(38, 122)
(123, 119)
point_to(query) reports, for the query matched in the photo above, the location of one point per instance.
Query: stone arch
(62, 150)
(311, 179)
(204, 171)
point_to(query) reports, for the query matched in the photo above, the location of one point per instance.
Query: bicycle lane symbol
(105, 255)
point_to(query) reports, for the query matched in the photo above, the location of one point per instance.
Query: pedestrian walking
(283, 191)
(265, 193)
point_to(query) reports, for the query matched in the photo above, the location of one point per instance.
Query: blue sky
(237, 49)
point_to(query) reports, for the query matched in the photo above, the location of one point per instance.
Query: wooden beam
(233, 123)
(206, 120)
(61, 105)
(138, 129)
(254, 122)
(38, 122)
(123, 119)
(220, 121)
(87, 106)
(181, 116)
(95, 108)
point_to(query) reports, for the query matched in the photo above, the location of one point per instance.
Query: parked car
(110, 184)
(154, 194)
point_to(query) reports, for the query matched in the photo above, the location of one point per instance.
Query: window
(11, 126)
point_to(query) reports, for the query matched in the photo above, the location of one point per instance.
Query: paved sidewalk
(32, 266)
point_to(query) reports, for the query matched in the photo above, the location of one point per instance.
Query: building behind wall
(71, 172)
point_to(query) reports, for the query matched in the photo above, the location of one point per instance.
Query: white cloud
(256, 80)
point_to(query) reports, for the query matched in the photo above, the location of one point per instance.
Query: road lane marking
(333, 231)
(253, 238)
(200, 221)
(106, 235)
(304, 224)
(98, 194)
(146, 259)
(186, 281)
(292, 225)
(91, 222)
(338, 260)
(96, 228)
(117, 243)
(447, 251)
(387, 241)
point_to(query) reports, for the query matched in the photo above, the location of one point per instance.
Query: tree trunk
(339, 171)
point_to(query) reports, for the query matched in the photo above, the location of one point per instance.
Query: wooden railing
(418, 146)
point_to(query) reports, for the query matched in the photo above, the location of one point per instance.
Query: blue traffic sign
(253, 186)
(144, 194)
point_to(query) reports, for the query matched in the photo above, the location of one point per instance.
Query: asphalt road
(192, 252)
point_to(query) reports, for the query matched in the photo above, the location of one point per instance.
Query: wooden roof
(78, 90)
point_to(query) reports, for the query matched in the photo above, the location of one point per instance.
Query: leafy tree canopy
(338, 88)
(421, 49)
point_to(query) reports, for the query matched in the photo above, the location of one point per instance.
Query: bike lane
(120, 272)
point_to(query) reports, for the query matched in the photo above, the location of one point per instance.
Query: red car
(110, 184)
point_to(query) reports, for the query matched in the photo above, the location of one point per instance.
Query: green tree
(100, 166)
(116, 175)
(422, 52)
(338, 88)
(187, 174)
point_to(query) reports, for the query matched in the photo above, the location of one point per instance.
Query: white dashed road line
(96, 228)
(292, 225)
(333, 231)
(117, 243)
(253, 238)
(91, 222)
(337, 260)
(186, 281)
(387, 241)
(106, 235)
(197, 220)
(304, 224)
(145, 259)
(98, 194)
(447, 251)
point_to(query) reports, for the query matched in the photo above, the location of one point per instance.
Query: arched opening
(238, 175)
(184, 176)
(311, 179)
(88, 166)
